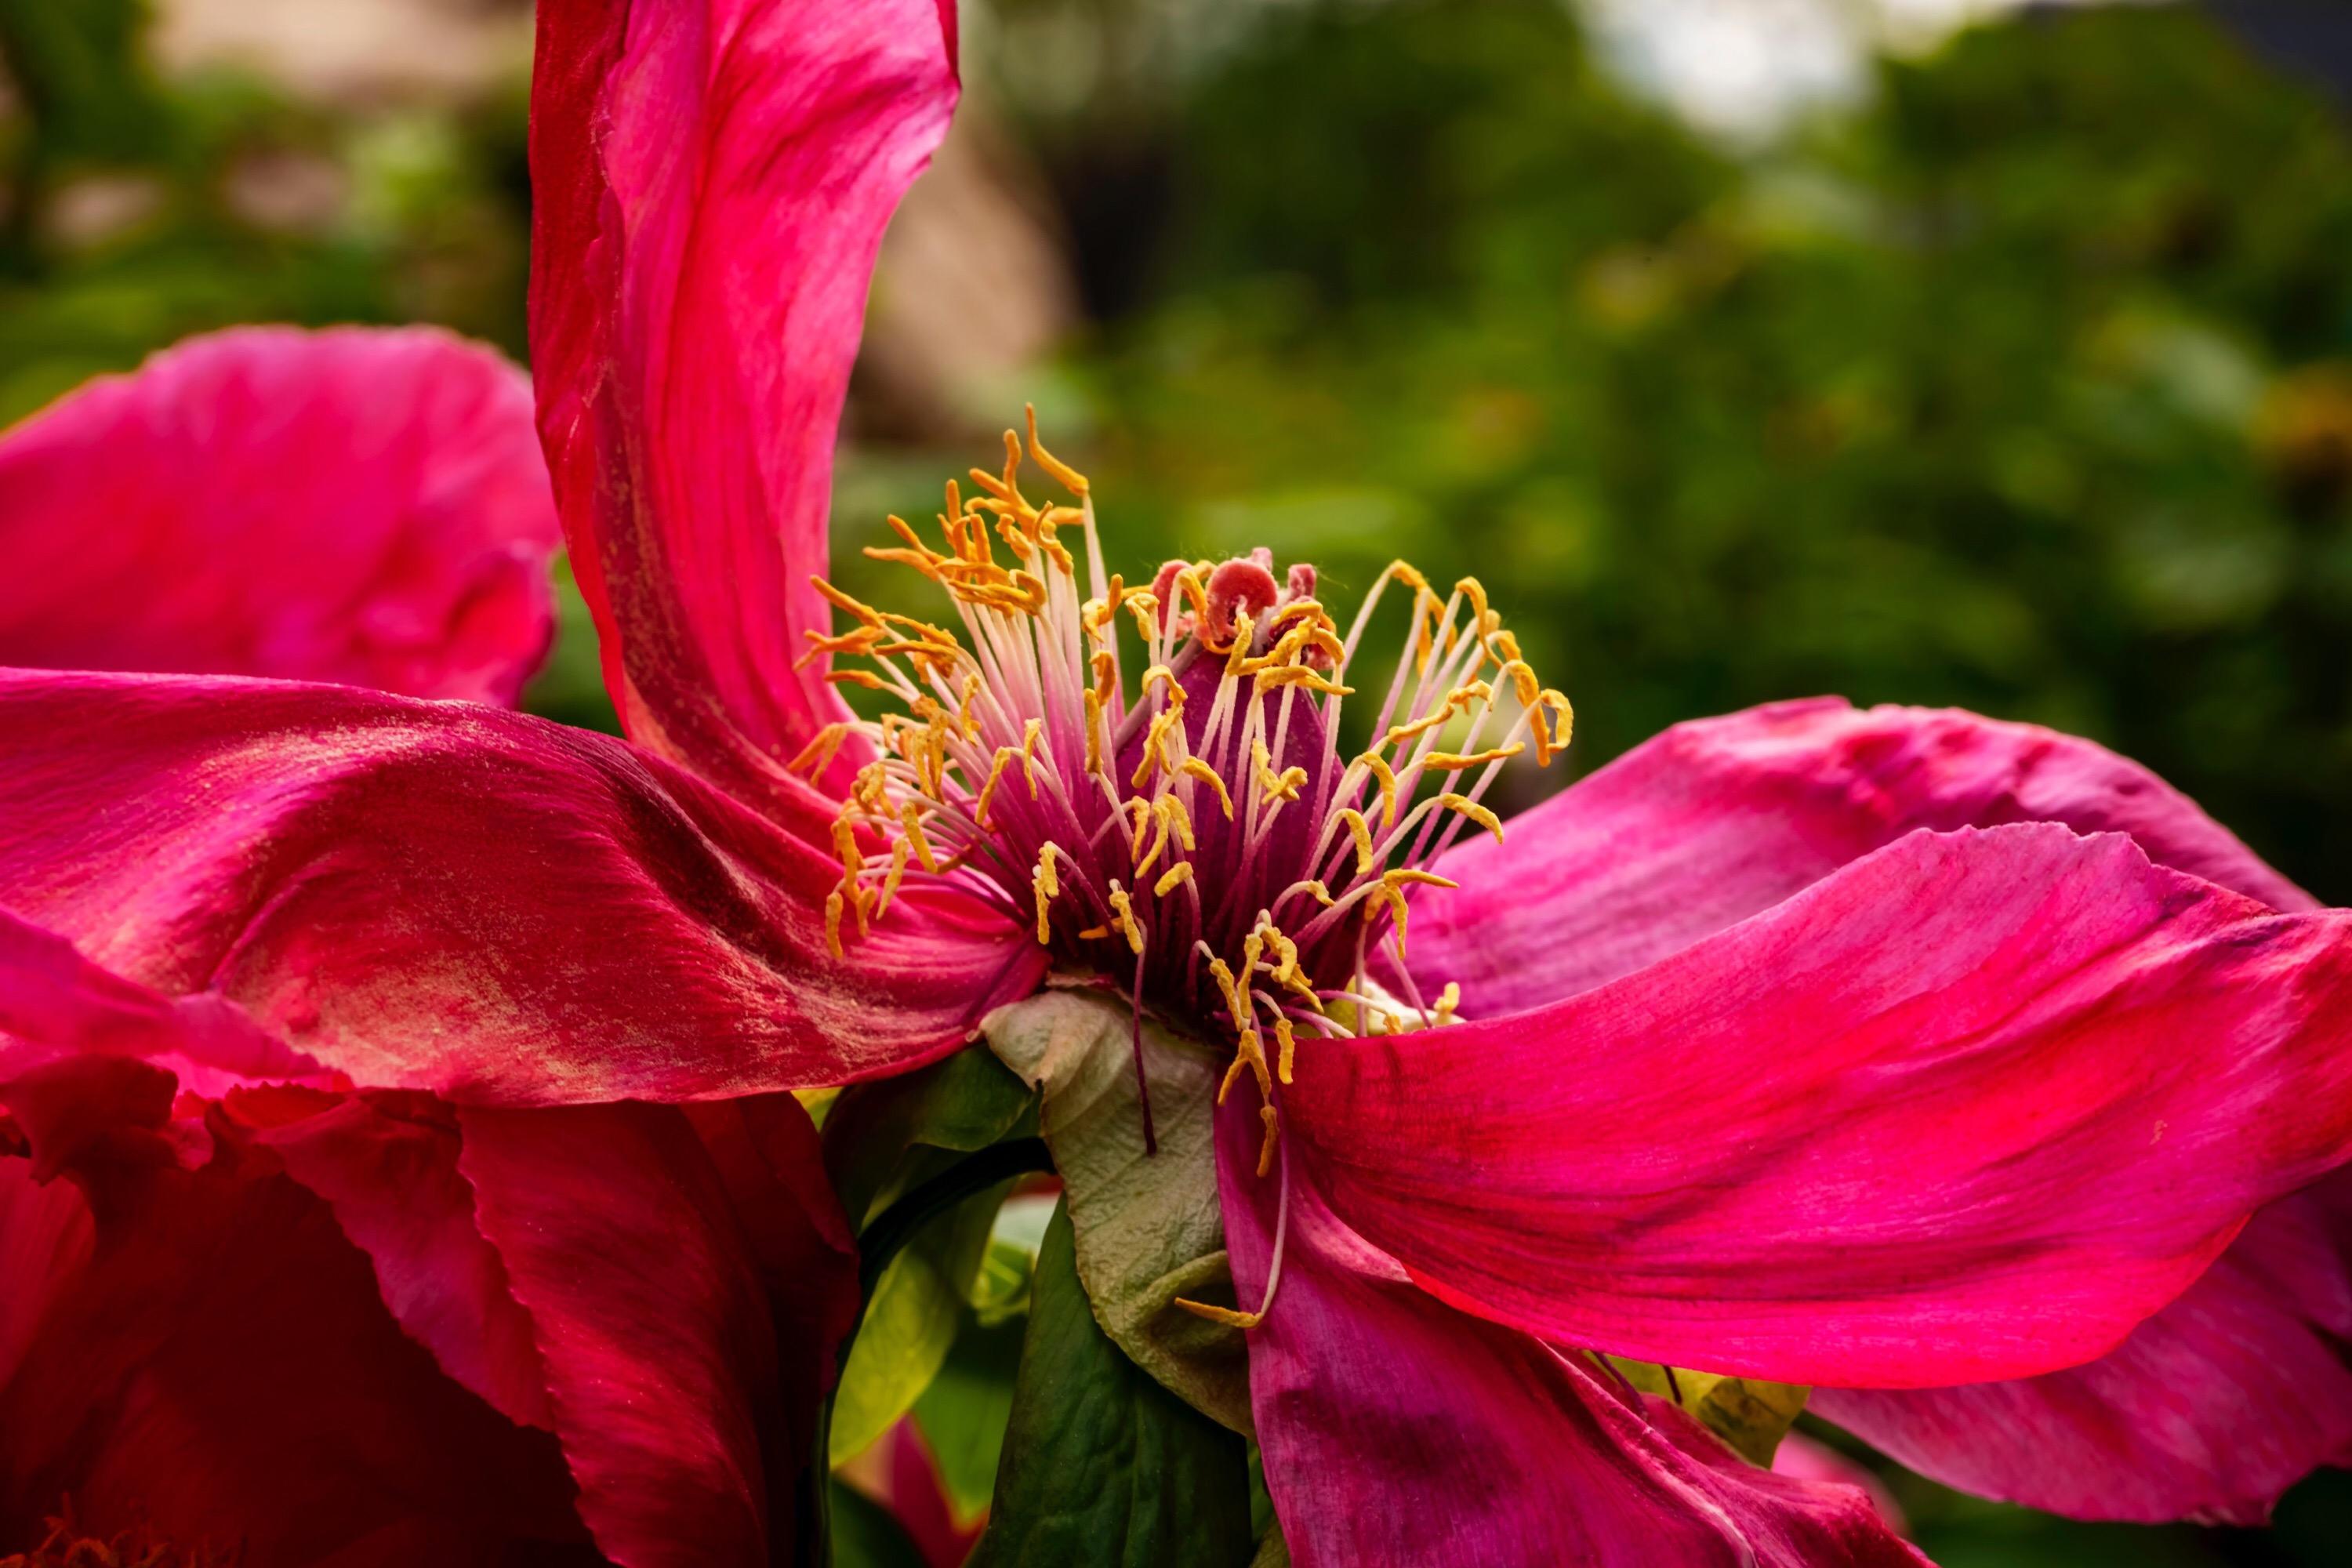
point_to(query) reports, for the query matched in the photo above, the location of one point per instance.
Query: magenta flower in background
(360, 505)
(1900, 1052)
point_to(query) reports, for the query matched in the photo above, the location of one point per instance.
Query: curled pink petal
(2210, 1410)
(1398, 1430)
(661, 1356)
(1969, 1108)
(446, 897)
(209, 1360)
(711, 181)
(363, 505)
(1719, 820)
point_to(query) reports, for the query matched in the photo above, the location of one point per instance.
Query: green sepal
(1148, 1225)
(1101, 1465)
(1749, 1413)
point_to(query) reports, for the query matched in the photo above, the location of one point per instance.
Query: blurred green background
(2014, 369)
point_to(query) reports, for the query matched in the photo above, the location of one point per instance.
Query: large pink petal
(710, 180)
(661, 1357)
(387, 1165)
(2210, 1410)
(1715, 820)
(1398, 1430)
(211, 1361)
(361, 505)
(1969, 1108)
(447, 896)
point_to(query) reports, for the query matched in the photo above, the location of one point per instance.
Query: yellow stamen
(1068, 478)
(1123, 917)
(832, 923)
(1173, 877)
(1273, 1132)
(1453, 762)
(1194, 768)
(1043, 882)
(1464, 806)
(818, 754)
(914, 824)
(1408, 876)
(1288, 1040)
(1379, 771)
(1360, 831)
(1447, 1000)
(1217, 1314)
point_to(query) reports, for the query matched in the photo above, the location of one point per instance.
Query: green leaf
(1102, 1464)
(866, 1535)
(910, 1323)
(881, 1138)
(964, 1411)
(1148, 1226)
(1750, 1414)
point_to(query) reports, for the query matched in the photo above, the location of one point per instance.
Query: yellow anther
(1094, 732)
(1267, 1114)
(1188, 583)
(1160, 842)
(1307, 610)
(966, 697)
(1313, 886)
(1469, 694)
(1144, 605)
(1175, 877)
(1068, 478)
(1464, 806)
(1095, 614)
(1503, 646)
(1093, 934)
(1407, 574)
(860, 678)
(1447, 1000)
(1399, 733)
(1160, 673)
(1454, 761)
(1138, 819)
(833, 907)
(1480, 616)
(913, 822)
(1106, 668)
(1522, 679)
(1005, 756)
(1194, 768)
(1361, 832)
(1563, 724)
(864, 613)
(1032, 732)
(1413, 877)
(1043, 882)
(1171, 811)
(818, 754)
(1237, 653)
(1387, 893)
(1299, 675)
(1287, 1041)
(1250, 1055)
(1155, 753)
(1235, 1007)
(1379, 771)
(845, 846)
(1283, 786)
(1123, 917)
(1217, 1314)
(898, 852)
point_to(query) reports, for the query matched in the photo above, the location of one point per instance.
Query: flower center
(1193, 833)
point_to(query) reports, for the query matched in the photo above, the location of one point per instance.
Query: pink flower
(1957, 1087)
(362, 505)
